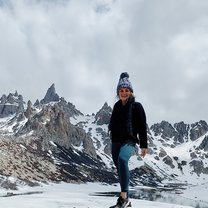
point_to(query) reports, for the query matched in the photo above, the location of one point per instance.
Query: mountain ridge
(78, 146)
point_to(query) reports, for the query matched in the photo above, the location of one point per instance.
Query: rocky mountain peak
(3, 99)
(11, 104)
(51, 95)
(198, 129)
(183, 130)
(103, 115)
(37, 103)
(68, 108)
(165, 129)
(106, 106)
(28, 111)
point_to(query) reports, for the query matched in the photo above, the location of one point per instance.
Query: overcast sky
(82, 46)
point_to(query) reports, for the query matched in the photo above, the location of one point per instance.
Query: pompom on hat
(124, 82)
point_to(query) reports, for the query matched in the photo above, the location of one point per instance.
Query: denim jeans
(121, 154)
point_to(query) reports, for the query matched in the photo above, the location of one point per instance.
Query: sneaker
(122, 203)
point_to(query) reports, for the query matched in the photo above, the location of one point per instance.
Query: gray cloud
(83, 46)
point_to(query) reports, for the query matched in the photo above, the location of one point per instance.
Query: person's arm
(143, 152)
(142, 128)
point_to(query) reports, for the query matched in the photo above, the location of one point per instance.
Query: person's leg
(115, 153)
(126, 151)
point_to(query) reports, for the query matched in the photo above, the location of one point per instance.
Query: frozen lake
(65, 195)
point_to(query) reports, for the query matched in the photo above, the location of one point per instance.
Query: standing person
(127, 128)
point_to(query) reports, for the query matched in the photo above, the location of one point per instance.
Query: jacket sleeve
(141, 125)
(111, 119)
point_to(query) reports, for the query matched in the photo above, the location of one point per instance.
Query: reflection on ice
(160, 195)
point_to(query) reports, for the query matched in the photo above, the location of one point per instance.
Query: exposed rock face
(50, 123)
(204, 144)
(29, 161)
(146, 174)
(168, 160)
(164, 129)
(103, 115)
(29, 111)
(51, 95)
(25, 159)
(68, 108)
(198, 129)
(162, 153)
(182, 130)
(37, 103)
(11, 104)
(199, 167)
(81, 167)
(180, 133)
(105, 139)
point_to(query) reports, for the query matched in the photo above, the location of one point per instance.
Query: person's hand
(143, 152)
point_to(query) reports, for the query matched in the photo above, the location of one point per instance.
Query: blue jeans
(121, 154)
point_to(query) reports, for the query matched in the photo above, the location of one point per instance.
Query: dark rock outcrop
(11, 104)
(183, 131)
(164, 129)
(198, 167)
(103, 115)
(51, 95)
(204, 144)
(198, 129)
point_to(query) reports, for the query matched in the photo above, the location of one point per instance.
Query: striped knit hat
(124, 82)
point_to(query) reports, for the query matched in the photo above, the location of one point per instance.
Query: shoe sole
(128, 204)
(117, 206)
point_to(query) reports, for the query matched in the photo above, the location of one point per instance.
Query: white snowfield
(71, 196)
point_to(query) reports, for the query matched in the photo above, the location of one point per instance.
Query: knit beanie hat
(124, 82)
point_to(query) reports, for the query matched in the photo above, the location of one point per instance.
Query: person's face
(124, 94)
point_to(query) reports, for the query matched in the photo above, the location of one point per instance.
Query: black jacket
(128, 122)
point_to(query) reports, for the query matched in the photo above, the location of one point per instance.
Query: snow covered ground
(197, 192)
(66, 195)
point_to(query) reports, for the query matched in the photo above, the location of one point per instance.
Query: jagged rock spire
(11, 104)
(37, 103)
(103, 115)
(28, 111)
(51, 95)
